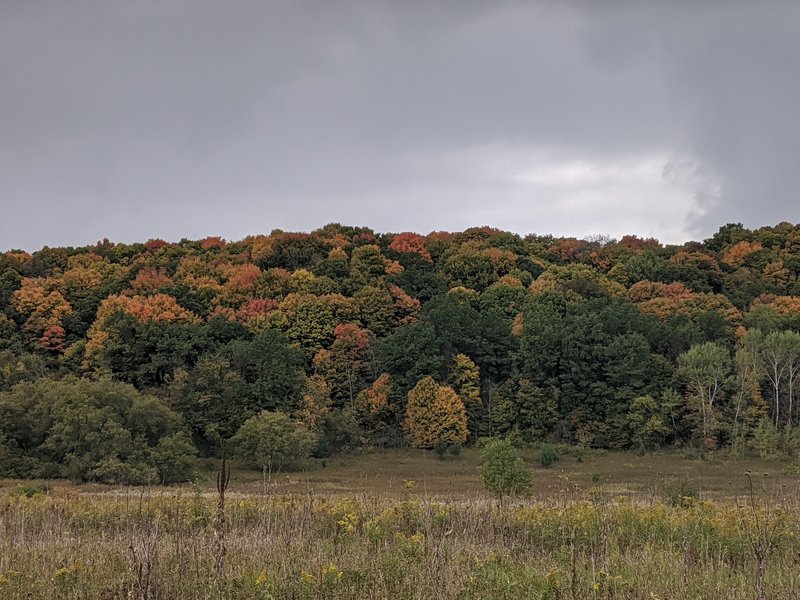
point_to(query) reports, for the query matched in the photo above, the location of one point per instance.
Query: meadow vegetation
(601, 528)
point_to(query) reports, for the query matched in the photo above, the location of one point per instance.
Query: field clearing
(595, 529)
(382, 473)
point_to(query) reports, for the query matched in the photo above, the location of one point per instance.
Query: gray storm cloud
(132, 120)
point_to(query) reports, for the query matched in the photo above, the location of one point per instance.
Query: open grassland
(382, 473)
(595, 529)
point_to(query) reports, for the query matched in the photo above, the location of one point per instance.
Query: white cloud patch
(529, 190)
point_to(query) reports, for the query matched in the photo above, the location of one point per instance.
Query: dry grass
(382, 473)
(354, 529)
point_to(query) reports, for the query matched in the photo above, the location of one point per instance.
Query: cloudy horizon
(183, 119)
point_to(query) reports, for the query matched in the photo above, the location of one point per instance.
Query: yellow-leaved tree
(435, 414)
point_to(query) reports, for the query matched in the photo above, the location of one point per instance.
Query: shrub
(272, 441)
(548, 455)
(791, 440)
(440, 449)
(503, 471)
(174, 456)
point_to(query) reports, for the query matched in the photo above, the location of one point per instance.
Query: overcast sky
(133, 119)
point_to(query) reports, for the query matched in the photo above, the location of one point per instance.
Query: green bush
(272, 441)
(175, 457)
(548, 455)
(87, 430)
(503, 471)
(440, 448)
(766, 439)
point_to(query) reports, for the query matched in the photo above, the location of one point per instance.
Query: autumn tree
(314, 404)
(434, 415)
(41, 304)
(375, 399)
(410, 243)
(376, 411)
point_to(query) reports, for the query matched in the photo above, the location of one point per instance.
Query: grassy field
(640, 478)
(608, 526)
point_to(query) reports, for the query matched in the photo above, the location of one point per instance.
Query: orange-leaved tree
(435, 415)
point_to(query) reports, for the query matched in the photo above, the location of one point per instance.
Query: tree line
(128, 360)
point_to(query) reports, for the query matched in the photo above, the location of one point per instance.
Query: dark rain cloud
(134, 119)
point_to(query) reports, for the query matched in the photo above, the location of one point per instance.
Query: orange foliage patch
(350, 336)
(212, 242)
(241, 277)
(150, 280)
(648, 290)
(633, 242)
(569, 249)
(53, 339)
(42, 304)
(738, 252)
(502, 260)
(376, 399)
(155, 244)
(782, 305)
(256, 307)
(394, 268)
(410, 243)
(159, 307)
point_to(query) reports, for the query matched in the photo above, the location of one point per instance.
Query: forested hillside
(118, 358)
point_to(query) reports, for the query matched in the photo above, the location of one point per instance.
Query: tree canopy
(610, 343)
